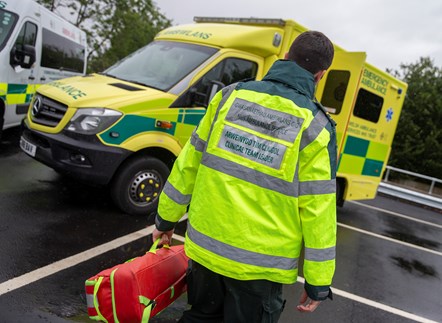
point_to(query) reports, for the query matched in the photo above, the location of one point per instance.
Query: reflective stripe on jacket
(260, 172)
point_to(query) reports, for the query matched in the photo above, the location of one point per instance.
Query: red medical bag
(138, 289)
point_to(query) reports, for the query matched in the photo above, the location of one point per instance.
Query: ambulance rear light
(246, 21)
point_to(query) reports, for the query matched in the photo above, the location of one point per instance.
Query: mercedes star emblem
(36, 106)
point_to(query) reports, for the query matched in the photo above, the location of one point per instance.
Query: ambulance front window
(7, 23)
(334, 90)
(161, 64)
(228, 71)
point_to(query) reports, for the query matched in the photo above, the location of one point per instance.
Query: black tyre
(137, 185)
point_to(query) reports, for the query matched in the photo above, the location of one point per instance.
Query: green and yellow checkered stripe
(131, 125)
(17, 93)
(362, 157)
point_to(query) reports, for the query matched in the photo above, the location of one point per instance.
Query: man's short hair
(312, 50)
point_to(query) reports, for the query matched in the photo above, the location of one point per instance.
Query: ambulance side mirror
(213, 89)
(192, 97)
(23, 56)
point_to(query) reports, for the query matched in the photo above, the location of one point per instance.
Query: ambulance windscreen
(161, 64)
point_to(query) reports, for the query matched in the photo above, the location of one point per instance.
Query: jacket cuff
(318, 293)
(163, 225)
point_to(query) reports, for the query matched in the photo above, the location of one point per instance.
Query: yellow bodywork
(363, 145)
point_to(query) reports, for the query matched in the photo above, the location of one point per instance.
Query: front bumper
(80, 156)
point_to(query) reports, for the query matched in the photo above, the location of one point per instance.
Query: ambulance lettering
(186, 32)
(69, 33)
(374, 82)
(70, 90)
(361, 130)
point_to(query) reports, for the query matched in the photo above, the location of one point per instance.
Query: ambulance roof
(262, 37)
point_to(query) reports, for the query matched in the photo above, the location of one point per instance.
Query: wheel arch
(162, 154)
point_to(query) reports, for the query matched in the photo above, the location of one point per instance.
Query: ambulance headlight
(92, 121)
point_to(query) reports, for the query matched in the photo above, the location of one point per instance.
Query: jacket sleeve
(317, 204)
(177, 192)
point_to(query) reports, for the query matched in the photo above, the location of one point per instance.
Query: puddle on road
(406, 237)
(415, 267)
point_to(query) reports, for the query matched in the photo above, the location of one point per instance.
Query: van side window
(334, 90)
(368, 106)
(27, 35)
(60, 52)
(228, 71)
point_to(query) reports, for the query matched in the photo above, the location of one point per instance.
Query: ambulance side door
(337, 90)
(228, 68)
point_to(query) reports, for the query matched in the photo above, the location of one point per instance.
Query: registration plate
(27, 147)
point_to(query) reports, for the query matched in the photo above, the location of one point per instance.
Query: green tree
(417, 145)
(115, 28)
(128, 25)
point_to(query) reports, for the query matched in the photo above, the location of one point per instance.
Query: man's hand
(306, 304)
(165, 236)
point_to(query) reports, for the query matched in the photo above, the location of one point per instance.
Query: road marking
(375, 304)
(66, 263)
(28, 278)
(397, 214)
(389, 239)
(60, 265)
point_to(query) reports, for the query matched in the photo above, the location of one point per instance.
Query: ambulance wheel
(138, 184)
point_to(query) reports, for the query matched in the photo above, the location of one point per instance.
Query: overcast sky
(391, 32)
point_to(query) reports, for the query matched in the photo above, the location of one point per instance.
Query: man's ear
(318, 76)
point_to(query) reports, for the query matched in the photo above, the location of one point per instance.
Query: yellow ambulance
(125, 127)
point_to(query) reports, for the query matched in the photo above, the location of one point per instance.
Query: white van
(36, 47)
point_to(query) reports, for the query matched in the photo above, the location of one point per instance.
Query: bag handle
(96, 305)
(154, 247)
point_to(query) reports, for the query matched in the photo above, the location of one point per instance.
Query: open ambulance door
(337, 93)
(337, 90)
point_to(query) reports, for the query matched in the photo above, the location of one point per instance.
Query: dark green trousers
(216, 298)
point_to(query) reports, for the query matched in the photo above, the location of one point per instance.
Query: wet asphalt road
(383, 259)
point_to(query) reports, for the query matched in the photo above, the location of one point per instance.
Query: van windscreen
(161, 64)
(7, 22)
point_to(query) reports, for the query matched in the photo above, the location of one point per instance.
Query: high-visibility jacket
(259, 174)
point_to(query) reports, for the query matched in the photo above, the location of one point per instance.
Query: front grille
(47, 112)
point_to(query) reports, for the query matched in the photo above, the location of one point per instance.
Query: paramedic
(260, 171)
